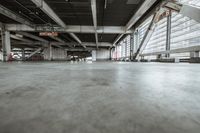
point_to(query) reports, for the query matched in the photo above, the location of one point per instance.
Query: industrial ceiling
(97, 15)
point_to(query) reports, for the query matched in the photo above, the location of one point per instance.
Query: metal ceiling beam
(100, 44)
(47, 10)
(80, 50)
(56, 44)
(118, 38)
(89, 44)
(94, 17)
(32, 36)
(70, 29)
(77, 39)
(190, 11)
(10, 14)
(20, 38)
(23, 41)
(146, 5)
(60, 40)
(45, 42)
(89, 49)
(26, 43)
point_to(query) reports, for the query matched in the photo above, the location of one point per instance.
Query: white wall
(102, 54)
(1, 56)
(57, 54)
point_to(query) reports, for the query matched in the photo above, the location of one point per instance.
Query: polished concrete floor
(60, 97)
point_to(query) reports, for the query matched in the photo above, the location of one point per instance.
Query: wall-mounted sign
(48, 33)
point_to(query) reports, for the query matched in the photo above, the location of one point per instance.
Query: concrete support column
(50, 52)
(122, 50)
(168, 38)
(194, 54)
(6, 46)
(23, 54)
(110, 50)
(158, 56)
(142, 57)
(94, 55)
(116, 47)
(194, 57)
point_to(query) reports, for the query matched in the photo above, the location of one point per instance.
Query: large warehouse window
(158, 39)
(185, 33)
(122, 49)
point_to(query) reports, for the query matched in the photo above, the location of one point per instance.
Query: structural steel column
(116, 49)
(131, 46)
(168, 38)
(136, 38)
(125, 45)
(6, 46)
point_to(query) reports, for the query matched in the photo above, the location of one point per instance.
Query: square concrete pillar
(94, 55)
(194, 54)
(50, 52)
(194, 57)
(23, 54)
(6, 46)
